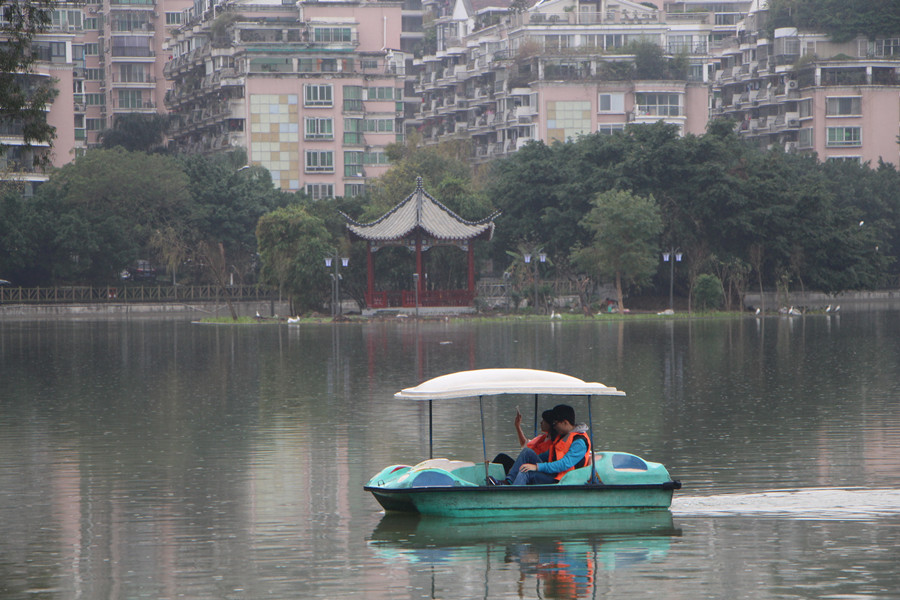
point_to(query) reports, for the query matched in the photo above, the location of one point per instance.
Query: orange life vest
(561, 447)
(540, 444)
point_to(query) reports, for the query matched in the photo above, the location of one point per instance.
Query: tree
(625, 229)
(137, 132)
(98, 213)
(23, 97)
(292, 244)
(227, 199)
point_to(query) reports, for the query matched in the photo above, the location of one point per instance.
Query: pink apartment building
(103, 57)
(313, 90)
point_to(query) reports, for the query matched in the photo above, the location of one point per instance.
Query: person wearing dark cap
(571, 449)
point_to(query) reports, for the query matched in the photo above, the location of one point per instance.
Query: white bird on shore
(555, 315)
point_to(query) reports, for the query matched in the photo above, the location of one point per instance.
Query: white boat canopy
(496, 382)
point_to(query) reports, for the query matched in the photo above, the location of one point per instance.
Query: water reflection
(558, 558)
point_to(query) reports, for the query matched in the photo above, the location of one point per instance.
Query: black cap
(564, 412)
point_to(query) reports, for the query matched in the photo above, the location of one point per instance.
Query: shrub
(708, 292)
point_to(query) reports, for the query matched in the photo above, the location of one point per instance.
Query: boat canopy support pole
(430, 431)
(483, 442)
(593, 479)
(535, 414)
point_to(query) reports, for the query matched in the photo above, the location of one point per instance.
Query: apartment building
(556, 70)
(808, 94)
(312, 90)
(102, 57)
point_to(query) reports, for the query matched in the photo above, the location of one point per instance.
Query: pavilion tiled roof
(421, 211)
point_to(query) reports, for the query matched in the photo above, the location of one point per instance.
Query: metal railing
(131, 293)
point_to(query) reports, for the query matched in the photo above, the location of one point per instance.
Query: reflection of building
(312, 90)
(557, 70)
(804, 93)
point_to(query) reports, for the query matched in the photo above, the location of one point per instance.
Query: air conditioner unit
(76, 73)
(790, 147)
(793, 123)
(792, 84)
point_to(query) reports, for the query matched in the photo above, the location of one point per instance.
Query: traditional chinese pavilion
(420, 222)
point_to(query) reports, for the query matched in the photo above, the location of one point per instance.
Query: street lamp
(670, 256)
(335, 261)
(542, 257)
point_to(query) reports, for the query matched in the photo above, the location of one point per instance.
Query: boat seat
(443, 463)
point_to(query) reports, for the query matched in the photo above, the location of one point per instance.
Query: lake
(156, 458)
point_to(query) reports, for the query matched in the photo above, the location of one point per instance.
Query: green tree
(137, 132)
(96, 215)
(292, 244)
(24, 97)
(625, 229)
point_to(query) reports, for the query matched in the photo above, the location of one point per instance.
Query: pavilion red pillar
(472, 268)
(370, 274)
(420, 280)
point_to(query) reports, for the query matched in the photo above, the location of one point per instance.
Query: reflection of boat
(410, 530)
(562, 555)
(616, 481)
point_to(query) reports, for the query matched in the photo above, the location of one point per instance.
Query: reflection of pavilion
(420, 222)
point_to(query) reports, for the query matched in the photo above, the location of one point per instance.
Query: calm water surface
(164, 459)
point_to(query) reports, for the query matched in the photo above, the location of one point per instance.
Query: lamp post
(335, 261)
(542, 257)
(670, 256)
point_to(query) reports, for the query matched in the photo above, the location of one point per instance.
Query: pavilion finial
(418, 183)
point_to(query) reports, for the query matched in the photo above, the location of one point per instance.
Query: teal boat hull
(543, 500)
(457, 489)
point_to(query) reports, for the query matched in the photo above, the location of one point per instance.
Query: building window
(318, 129)
(332, 34)
(804, 108)
(558, 42)
(91, 23)
(659, 105)
(173, 18)
(94, 124)
(842, 137)
(320, 191)
(130, 99)
(92, 49)
(378, 125)
(610, 128)
(381, 93)
(852, 159)
(93, 74)
(805, 138)
(95, 99)
(611, 103)
(319, 161)
(354, 189)
(843, 106)
(317, 95)
(353, 161)
(132, 73)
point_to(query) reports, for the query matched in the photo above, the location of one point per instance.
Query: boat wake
(807, 503)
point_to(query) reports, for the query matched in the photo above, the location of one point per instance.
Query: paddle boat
(456, 488)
